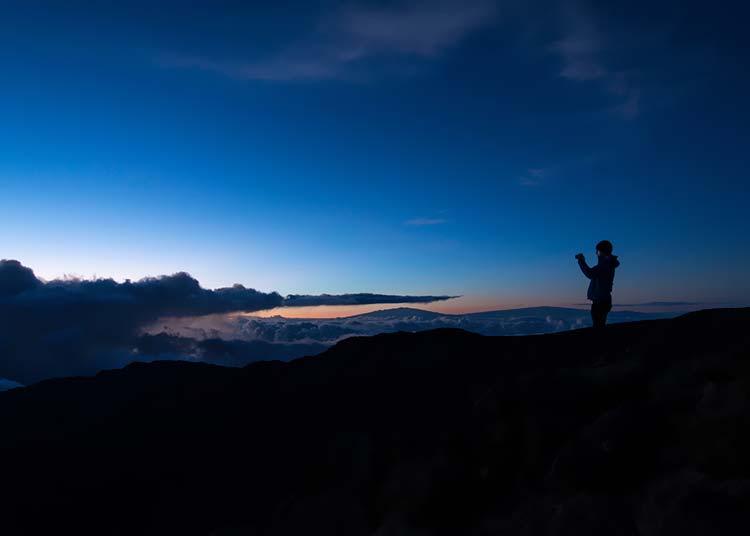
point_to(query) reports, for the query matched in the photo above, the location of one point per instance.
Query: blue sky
(445, 147)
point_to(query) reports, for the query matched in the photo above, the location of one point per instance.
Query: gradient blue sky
(445, 147)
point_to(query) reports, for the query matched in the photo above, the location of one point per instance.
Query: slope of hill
(430, 433)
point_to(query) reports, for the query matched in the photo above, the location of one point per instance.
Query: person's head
(604, 248)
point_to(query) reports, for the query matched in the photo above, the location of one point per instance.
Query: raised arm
(587, 270)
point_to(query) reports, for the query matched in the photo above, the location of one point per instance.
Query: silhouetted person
(602, 276)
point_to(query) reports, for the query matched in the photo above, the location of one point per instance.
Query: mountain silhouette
(536, 313)
(441, 432)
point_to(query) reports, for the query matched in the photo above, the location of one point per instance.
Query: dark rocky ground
(435, 433)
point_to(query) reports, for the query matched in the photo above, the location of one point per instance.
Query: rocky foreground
(645, 431)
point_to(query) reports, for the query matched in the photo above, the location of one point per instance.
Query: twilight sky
(425, 148)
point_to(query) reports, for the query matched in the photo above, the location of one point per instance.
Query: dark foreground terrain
(431, 433)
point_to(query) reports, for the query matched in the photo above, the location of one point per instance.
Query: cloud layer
(328, 331)
(76, 326)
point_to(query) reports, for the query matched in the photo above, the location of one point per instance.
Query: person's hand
(580, 257)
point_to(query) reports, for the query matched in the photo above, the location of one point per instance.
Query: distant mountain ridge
(398, 312)
(643, 432)
(522, 312)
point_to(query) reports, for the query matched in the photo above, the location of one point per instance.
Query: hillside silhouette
(439, 432)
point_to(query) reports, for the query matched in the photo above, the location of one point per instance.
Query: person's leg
(606, 308)
(599, 311)
(598, 314)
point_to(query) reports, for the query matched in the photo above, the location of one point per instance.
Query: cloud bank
(289, 332)
(76, 326)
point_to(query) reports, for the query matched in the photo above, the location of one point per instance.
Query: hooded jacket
(602, 276)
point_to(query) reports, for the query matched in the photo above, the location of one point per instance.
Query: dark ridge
(642, 431)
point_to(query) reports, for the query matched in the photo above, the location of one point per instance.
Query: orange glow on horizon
(462, 305)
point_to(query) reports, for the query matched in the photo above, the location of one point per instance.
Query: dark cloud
(16, 278)
(75, 326)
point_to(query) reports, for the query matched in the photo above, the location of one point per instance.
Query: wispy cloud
(425, 221)
(344, 43)
(534, 176)
(580, 47)
(354, 34)
(582, 52)
(421, 28)
(630, 107)
(281, 68)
